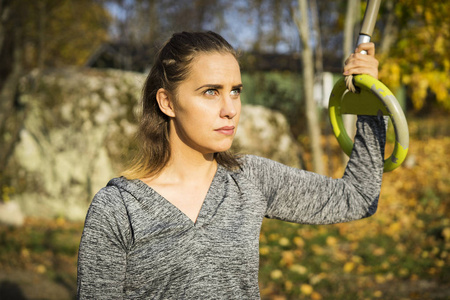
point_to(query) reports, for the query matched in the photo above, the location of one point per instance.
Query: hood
(135, 187)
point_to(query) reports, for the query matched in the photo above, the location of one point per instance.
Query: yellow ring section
(373, 97)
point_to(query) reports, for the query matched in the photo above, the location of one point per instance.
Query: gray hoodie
(137, 245)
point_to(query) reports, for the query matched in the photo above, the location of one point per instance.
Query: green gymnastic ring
(373, 97)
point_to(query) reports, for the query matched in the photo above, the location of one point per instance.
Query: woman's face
(207, 104)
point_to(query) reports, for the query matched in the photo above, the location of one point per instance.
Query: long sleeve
(303, 197)
(103, 247)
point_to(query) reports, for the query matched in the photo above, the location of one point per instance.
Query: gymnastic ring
(372, 98)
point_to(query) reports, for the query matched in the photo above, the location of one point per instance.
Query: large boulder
(266, 133)
(77, 124)
(78, 129)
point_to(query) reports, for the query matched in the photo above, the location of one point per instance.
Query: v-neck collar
(209, 205)
(211, 201)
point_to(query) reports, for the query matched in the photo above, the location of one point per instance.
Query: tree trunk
(390, 30)
(308, 86)
(154, 23)
(41, 35)
(319, 79)
(318, 62)
(11, 69)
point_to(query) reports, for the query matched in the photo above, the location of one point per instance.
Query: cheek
(238, 112)
(196, 117)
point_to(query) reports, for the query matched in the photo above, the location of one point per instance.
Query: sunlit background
(71, 72)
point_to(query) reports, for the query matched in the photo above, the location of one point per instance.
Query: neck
(187, 165)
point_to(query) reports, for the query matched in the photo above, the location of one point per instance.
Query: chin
(225, 147)
(220, 149)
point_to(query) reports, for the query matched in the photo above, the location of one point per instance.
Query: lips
(226, 130)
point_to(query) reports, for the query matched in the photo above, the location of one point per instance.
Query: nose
(229, 107)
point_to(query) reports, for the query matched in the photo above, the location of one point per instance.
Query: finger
(361, 61)
(348, 59)
(369, 47)
(362, 70)
(359, 58)
(358, 63)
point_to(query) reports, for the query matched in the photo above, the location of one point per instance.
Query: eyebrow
(219, 86)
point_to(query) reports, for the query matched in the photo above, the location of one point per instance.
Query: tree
(415, 42)
(11, 68)
(303, 22)
(41, 34)
(149, 22)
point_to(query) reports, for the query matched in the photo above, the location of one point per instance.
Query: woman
(184, 222)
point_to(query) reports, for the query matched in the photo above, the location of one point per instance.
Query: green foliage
(281, 91)
(57, 237)
(419, 57)
(58, 33)
(42, 247)
(6, 192)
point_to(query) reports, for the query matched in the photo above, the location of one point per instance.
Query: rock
(266, 133)
(11, 214)
(76, 129)
(79, 126)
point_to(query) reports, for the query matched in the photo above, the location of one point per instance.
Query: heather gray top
(137, 245)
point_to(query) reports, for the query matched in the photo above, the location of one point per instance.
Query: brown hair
(169, 69)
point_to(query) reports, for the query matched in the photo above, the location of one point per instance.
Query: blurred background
(71, 73)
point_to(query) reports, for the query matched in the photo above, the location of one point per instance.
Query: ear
(165, 102)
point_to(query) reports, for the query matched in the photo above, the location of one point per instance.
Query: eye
(236, 92)
(211, 92)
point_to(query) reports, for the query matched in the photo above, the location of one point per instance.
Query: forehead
(215, 68)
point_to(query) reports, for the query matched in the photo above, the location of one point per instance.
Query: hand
(358, 63)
